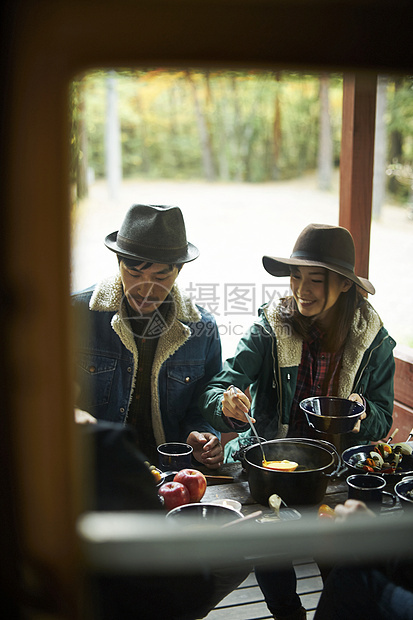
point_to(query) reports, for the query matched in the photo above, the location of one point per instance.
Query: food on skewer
(384, 458)
(325, 512)
(274, 502)
(157, 474)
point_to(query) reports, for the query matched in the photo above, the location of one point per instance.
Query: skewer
(219, 479)
(396, 430)
(253, 515)
(251, 423)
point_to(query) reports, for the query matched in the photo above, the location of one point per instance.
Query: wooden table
(247, 600)
(140, 542)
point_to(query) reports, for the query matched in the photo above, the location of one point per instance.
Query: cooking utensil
(279, 513)
(256, 435)
(318, 461)
(410, 435)
(253, 515)
(251, 423)
(392, 436)
(330, 414)
(218, 479)
(168, 476)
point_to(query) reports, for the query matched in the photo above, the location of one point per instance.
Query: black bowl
(204, 513)
(329, 414)
(402, 488)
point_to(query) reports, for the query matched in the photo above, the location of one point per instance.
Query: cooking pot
(317, 460)
(355, 454)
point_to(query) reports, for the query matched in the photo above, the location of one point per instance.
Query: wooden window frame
(45, 45)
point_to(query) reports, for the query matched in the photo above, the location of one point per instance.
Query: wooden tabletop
(139, 541)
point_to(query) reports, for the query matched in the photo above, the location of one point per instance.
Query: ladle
(251, 423)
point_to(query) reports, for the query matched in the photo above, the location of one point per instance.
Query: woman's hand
(358, 399)
(207, 449)
(235, 404)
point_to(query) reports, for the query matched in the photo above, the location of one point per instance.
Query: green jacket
(267, 360)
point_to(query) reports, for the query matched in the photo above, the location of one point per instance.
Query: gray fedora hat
(153, 233)
(321, 245)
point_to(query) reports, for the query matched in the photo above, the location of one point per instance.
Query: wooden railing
(403, 392)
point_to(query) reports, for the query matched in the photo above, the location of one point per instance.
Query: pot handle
(337, 458)
(329, 445)
(392, 497)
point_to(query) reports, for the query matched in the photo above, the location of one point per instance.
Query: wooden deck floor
(247, 601)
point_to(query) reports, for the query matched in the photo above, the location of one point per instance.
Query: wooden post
(356, 165)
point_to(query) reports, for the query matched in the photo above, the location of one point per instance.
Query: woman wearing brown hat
(325, 339)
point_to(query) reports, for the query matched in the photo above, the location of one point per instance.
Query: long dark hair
(343, 314)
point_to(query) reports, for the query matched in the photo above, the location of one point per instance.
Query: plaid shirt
(318, 375)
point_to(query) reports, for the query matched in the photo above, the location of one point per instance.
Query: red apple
(174, 494)
(194, 481)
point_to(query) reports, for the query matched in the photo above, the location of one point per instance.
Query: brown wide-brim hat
(153, 233)
(321, 245)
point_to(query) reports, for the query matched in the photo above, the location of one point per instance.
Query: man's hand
(207, 449)
(83, 417)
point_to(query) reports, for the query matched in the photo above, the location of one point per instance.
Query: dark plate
(354, 455)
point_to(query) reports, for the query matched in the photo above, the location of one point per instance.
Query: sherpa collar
(108, 297)
(364, 328)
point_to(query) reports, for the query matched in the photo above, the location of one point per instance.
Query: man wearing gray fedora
(144, 351)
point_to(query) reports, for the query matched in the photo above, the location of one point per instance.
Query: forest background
(250, 127)
(136, 133)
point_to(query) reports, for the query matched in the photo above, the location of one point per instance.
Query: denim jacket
(187, 357)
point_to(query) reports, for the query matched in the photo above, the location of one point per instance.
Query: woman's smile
(305, 302)
(313, 297)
